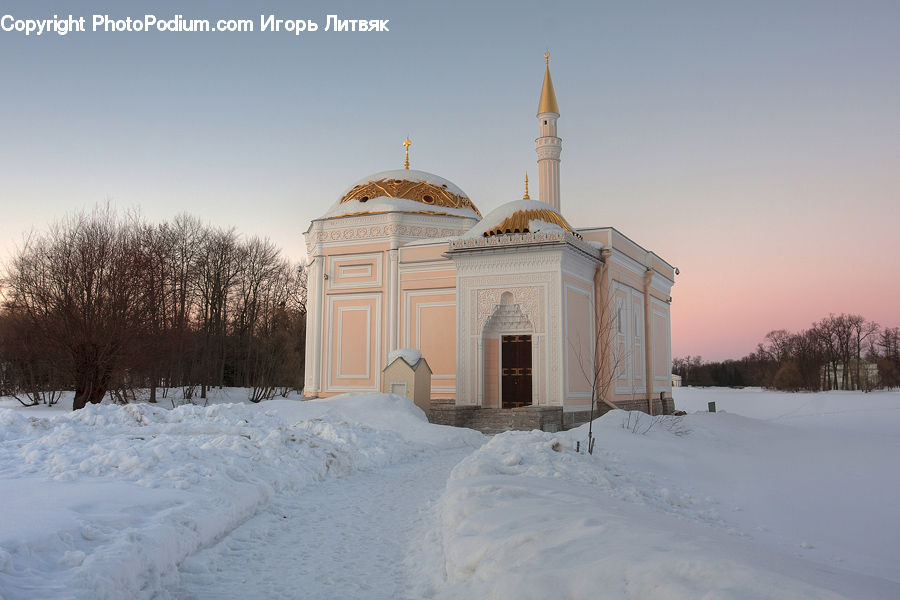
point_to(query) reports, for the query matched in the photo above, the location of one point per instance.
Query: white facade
(517, 308)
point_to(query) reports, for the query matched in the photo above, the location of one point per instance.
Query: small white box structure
(408, 374)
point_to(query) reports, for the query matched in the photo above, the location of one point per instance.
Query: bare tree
(276, 357)
(861, 330)
(79, 286)
(109, 304)
(259, 264)
(827, 333)
(217, 272)
(604, 365)
(31, 371)
(888, 345)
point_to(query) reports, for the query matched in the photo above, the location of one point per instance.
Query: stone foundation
(661, 406)
(497, 420)
(444, 411)
(664, 406)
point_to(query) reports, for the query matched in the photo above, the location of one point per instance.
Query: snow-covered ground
(774, 496)
(106, 502)
(802, 501)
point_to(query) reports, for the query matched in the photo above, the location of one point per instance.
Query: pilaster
(315, 316)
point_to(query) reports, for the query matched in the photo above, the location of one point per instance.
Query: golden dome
(519, 217)
(382, 191)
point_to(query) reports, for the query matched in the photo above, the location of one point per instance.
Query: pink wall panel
(355, 338)
(579, 340)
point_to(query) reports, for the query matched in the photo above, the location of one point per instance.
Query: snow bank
(387, 413)
(875, 412)
(106, 501)
(705, 506)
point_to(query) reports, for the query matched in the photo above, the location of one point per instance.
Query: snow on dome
(521, 216)
(410, 355)
(404, 191)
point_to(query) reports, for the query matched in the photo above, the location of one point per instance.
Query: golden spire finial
(406, 145)
(526, 196)
(548, 96)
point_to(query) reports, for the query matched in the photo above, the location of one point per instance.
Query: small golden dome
(519, 217)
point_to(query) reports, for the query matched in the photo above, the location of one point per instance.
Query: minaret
(548, 146)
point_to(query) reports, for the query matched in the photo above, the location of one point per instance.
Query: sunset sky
(755, 145)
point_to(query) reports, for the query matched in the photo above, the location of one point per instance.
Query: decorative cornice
(518, 240)
(395, 227)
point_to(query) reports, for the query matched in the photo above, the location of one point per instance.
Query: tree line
(107, 303)
(838, 352)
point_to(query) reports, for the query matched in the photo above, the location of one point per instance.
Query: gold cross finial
(526, 196)
(547, 57)
(406, 144)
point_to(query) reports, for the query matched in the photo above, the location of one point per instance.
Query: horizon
(773, 129)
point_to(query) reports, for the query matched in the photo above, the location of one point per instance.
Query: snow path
(348, 537)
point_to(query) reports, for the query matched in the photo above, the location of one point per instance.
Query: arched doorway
(508, 350)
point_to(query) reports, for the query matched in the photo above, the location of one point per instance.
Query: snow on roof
(382, 204)
(385, 204)
(538, 225)
(409, 355)
(410, 175)
(505, 211)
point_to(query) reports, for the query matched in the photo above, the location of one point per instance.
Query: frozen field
(774, 496)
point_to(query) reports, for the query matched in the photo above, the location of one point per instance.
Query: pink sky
(735, 286)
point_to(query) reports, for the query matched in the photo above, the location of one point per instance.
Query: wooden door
(516, 370)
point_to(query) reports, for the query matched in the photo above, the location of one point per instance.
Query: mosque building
(516, 309)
